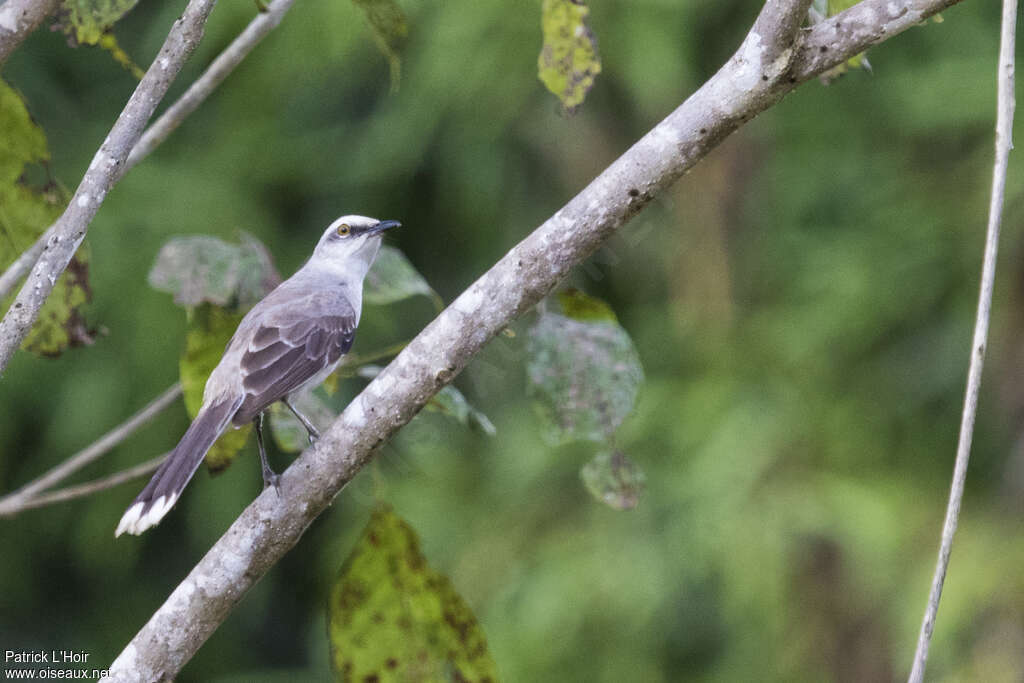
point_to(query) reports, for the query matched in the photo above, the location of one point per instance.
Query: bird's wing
(290, 345)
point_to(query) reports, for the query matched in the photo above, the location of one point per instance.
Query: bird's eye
(344, 229)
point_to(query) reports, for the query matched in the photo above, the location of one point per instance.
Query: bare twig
(18, 18)
(71, 227)
(166, 124)
(95, 486)
(1004, 142)
(757, 76)
(22, 499)
(221, 68)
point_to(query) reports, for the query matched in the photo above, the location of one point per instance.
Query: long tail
(163, 490)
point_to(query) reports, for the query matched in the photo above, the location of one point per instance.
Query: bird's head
(351, 242)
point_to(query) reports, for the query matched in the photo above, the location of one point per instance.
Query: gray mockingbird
(291, 339)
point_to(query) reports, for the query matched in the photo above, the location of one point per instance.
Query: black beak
(382, 226)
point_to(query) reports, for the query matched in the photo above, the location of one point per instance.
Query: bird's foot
(271, 478)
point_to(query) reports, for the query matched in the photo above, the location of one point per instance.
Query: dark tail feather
(163, 490)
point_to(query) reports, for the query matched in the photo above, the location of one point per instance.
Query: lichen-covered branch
(757, 76)
(166, 124)
(18, 18)
(70, 229)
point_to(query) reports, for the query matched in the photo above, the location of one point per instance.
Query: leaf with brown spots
(391, 617)
(568, 61)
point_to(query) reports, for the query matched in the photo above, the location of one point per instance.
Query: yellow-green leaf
(209, 329)
(60, 324)
(390, 29)
(25, 212)
(391, 617)
(579, 306)
(568, 61)
(88, 19)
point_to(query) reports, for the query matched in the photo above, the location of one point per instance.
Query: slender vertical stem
(1004, 127)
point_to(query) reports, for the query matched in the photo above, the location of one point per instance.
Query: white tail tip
(135, 521)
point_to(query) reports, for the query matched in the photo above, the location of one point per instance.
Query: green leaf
(579, 306)
(60, 324)
(289, 434)
(209, 330)
(88, 19)
(450, 401)
(390, 29)
(200, 268)
(614, 479)
(583, 374)
(391, 617)
(25, 212)
(568, 61)
(392, 278)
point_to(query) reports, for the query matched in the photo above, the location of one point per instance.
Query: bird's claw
(272, 479)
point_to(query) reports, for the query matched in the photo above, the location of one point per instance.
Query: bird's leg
(270, 477)
(314, 433)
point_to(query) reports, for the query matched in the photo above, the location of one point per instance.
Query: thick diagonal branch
(70, 229)
(757, 76)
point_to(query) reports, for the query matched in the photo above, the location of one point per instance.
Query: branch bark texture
(70, 229)
(762, 71)
(19, 18)
(1005, 106)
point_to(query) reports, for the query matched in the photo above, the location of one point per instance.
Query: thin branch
(169, 121)
(19, 18)
(95, 486)
(19, 500)
(274, 522)
(221, 68)
(1004, 143)
(71, 227)
(17, 270)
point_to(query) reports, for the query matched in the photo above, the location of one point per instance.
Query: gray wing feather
(290, 347)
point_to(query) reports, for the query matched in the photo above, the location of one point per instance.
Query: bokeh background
(802, 302)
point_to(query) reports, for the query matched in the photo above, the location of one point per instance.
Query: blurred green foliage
(801, 302)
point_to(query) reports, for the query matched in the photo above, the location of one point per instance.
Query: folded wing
(290, 347)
